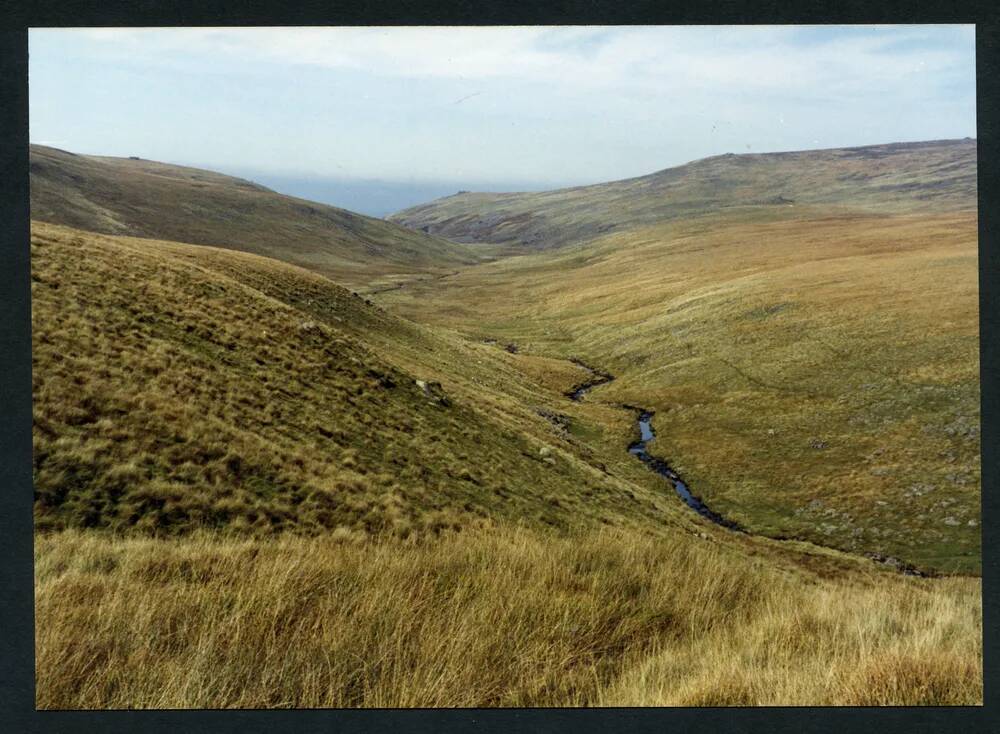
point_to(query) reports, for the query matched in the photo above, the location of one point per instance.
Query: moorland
(287, 455)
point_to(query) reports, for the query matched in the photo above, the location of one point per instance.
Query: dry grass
(938, 176)
(178, 387)
(246, 500)
(813, 375)
(498, 617)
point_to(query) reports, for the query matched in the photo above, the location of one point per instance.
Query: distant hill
(140, 198)
(899, 177)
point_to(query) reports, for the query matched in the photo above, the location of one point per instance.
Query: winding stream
(599, 378)
(640, 451)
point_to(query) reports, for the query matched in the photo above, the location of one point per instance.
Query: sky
(375, 119)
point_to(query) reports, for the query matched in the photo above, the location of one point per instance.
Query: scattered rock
(895, 563)
(434, 391)
(545, 453)
(918, 490)
(817, 444)
(962, 427)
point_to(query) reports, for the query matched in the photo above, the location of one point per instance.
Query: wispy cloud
(554, 104)
(764, 57)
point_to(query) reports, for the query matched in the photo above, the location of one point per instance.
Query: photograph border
(17, 695)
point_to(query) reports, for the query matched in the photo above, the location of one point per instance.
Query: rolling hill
(897, 177)
(245, 498)
(254, 487)
(814, 367)
(140, 198)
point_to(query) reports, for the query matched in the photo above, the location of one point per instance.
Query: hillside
(179, 387)
(813, 368)
(256, 488)
(139, 198)
(935, 176)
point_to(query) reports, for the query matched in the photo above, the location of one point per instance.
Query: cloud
(519, 103)
(756, 58)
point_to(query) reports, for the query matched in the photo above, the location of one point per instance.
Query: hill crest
(896, 177)
(153, 200)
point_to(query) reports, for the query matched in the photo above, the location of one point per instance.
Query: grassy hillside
(176, 389)
(494, 617)
(256, 488)
(813, 375)
(899, 177)
(124, 196)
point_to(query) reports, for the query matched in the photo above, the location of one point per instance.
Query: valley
(818, 363)
(289, 456)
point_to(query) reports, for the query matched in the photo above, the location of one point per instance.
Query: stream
(639, 448)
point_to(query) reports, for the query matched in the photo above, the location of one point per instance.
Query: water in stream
(638, 449)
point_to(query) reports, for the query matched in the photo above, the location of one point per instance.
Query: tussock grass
(180, 387)
(245, 497)
(495, 617)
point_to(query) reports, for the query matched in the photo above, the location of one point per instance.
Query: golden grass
(814, 374)
(328, 533)
(178, 387)
(497, 617)
(936, 176)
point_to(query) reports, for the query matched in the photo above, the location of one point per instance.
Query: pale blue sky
(512, 107)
